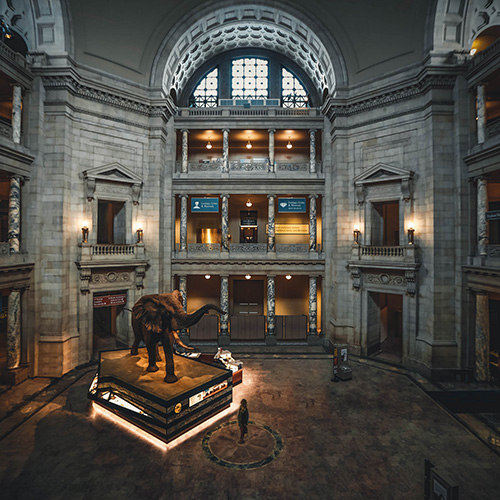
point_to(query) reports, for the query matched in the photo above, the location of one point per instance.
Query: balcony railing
(264, 111)
(493, 128)
(371, 253)
(110, 252)
(494, 251)
(236, 249)
(243, 166)
(5, 130)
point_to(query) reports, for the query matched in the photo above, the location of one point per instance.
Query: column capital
(225, 196)
(313, 130)
(311, 196)
(227, 130)
(271, 196)
(182, 195)
(271, 130)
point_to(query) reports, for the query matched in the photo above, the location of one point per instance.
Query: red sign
(119, 299)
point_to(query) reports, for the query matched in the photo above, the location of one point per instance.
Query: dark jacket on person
(243, 417)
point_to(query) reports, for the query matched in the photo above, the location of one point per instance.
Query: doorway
(110, 325)
(247, 319)
(385, 223)
(385, 326)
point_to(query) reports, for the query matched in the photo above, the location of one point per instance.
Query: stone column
(184, 161)
(14, 329)
(271, 238)
(183, 289)
(313, 306)
(312, 151)
(481, 113)
(224, 304)
(312, 223)
(482, 339)
(271, 149)
(225, 222)
(482, 224)
(16, 114)
(183, 235)
(14, 214)
(225, 151)
(271, 302)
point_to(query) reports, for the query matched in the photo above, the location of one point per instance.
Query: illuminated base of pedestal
(124, 388)
(99, 411)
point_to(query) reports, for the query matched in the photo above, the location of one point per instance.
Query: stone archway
(249, 26)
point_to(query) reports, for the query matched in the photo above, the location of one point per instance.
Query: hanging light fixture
(289, 145)
(207, 276)
(209, 144)
(249, 144)
(288, 276)
(247, 276)
(248, 203)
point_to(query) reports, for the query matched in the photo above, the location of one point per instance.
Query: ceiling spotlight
(207, 276)
(209, 144)
(288, 276)
(249, 144)
(248, 203)
(289, 145)
(247, 276)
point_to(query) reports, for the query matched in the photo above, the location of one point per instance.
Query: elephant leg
(137, 327)
(135, 346)
(151, 346)
(158, 355)
(167, 342)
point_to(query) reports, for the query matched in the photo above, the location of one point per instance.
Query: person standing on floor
(243, 420)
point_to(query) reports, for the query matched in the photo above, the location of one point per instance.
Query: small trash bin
(345, 373)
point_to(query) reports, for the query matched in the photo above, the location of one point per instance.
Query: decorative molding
(70, 84)
(110, 277)
(356, 278)
(339, 108)
(125, 181)
(382, 173)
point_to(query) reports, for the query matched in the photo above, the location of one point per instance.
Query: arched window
(249, 78)
(257, 79)
(293, 93)
(206, 93)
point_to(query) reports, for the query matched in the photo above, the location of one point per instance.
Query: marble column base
(271, 340)
(314, 339)
(224, 340)
(15, 376)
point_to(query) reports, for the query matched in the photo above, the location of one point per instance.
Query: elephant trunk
(186, 320)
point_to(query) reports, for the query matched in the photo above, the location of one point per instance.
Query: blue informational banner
(204, 205)
(292, 205)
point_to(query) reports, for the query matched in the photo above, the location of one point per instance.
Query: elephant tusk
(179, 341)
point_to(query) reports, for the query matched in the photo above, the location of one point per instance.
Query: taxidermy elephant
(157, 317)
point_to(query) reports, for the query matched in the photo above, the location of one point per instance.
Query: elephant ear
(148, 312)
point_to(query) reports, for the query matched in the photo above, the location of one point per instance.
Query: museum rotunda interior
(319, 180)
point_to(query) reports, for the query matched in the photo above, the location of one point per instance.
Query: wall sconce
(209, 144)
(356, 232)
(247, 276)
(289, 145)
(249, 144)
(288, 276)
(85, 232)
(411, 233)
(207, 276)
(140, 235)
(248, 203)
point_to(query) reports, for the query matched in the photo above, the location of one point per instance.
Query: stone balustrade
(110, 252)
(377, 253)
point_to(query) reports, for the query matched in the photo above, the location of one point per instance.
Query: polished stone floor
(366, 438)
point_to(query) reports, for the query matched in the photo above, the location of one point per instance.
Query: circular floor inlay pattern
(261, 446)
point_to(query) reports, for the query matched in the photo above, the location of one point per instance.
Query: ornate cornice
(70, 83)
(344, 108)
